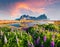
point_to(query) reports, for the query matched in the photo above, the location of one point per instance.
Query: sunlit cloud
(36, 6)
(16, 10)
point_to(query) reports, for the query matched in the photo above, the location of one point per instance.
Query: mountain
(41, 17)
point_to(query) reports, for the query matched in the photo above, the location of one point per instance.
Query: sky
(11, 9)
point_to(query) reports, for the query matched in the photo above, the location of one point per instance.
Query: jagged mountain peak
(41, 17)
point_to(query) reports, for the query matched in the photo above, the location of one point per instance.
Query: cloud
(27, 6)
(34, 6)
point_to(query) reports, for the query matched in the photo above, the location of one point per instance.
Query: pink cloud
(37, 6)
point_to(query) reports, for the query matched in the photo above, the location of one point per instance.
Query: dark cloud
(8, 2)
(5, 4)
(11, 1)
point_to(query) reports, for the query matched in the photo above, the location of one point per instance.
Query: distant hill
(41, 17)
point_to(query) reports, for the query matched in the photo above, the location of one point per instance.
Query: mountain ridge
(41, 17)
